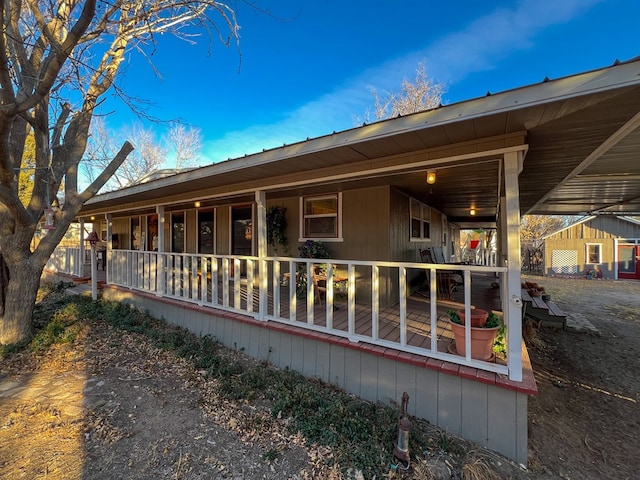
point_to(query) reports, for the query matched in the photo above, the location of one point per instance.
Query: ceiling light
(431, 178)
(197, 204)
(472, 212)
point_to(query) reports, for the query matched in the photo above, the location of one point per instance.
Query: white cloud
(480, 46)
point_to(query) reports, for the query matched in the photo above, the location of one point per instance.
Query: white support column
(82, 249)
(94, 273)
(263, 274)
(512, 303)
(161, 274)
(109, 252)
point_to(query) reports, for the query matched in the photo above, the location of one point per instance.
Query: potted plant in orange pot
(482, 336)
(478, 317)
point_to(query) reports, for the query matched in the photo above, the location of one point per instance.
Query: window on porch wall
(321, 216)
(420, 220)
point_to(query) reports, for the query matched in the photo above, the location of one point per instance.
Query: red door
(629, 262)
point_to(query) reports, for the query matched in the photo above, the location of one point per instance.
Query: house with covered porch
(192, 248)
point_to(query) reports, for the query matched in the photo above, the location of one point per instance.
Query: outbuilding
(597, 246)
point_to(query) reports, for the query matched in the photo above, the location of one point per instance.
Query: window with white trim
(593, 253)
(420, 220)
(321, 216)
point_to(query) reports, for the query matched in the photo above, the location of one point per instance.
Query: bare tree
(178, 149)
(57, 60)
(147, 157)
(185, 144)
(421, 94)
(533, 229)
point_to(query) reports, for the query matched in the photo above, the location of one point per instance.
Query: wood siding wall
(376, 225)
(603, 230)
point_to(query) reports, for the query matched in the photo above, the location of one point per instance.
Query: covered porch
(565, 146)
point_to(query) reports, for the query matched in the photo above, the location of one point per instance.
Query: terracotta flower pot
(481, 341)
(478, 317)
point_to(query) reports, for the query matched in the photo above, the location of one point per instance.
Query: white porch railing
(67, 260)
(233, 283)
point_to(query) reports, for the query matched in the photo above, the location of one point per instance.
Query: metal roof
(581, 133)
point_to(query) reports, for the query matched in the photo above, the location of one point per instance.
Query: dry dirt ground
(110, 405)
(585, 421)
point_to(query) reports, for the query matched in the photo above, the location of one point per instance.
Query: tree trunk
(22, 290)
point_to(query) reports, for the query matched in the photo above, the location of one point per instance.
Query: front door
(629, 262)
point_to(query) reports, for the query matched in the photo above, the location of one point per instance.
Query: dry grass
(477, 468)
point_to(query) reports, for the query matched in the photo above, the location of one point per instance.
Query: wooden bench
(544, 311)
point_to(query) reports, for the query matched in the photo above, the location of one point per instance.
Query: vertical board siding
(603, 230)
(475, 411)
(449, 412)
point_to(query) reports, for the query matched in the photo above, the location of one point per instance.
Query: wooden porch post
(263, 273)
(510, 222)
(109, 251)
(160, 273)
(80, 268)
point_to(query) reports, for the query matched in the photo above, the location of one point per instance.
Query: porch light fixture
(196, 204)
(92, 238)
(431, 177)
(472, 212)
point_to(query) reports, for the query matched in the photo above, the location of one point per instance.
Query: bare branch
(101, 179)
(421, 94)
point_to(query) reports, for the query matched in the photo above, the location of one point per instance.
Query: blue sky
(307, 69)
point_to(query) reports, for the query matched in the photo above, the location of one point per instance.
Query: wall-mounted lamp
(472, 212)
(431, 177)
(92, 218)
(196, 204)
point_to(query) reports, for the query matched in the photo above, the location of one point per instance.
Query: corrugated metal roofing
(581, 131)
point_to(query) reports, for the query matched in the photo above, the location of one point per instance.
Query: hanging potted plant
(277, 228)
(483, 335)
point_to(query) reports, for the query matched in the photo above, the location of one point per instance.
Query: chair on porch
(319, 287)
(445, 284)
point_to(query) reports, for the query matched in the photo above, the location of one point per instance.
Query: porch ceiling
(582, 134)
